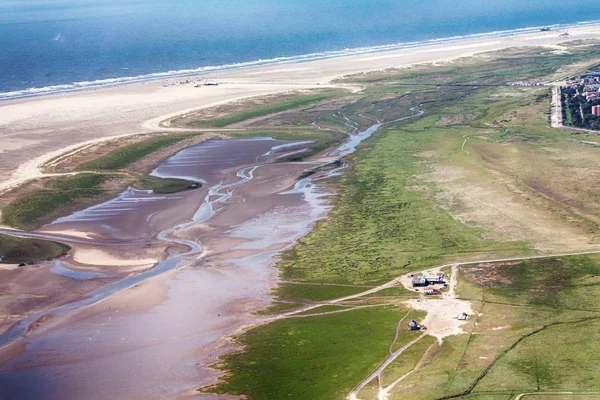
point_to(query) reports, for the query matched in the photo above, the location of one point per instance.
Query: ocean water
(60, 45)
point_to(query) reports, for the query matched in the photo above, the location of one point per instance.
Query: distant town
(581, 101)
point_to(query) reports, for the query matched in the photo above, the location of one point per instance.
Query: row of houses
(593, 78)
(588, 86)
(591, 92)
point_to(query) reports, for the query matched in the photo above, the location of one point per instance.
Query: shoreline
(204, 71)
(34, 130)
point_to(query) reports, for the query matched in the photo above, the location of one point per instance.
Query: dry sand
(32, 131)
(99, 257)
(442, 312)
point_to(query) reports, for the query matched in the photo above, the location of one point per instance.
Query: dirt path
(520, 396)
(382, 367)
(441, 319)
(335, 311)
(391, 349)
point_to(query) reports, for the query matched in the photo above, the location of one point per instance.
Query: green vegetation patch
(392, 292)
(308, 358)
(266, 109)
(561, 396)
(379, 228)
(565, 282)
(77, 182)
(509, 65)
(408, 360)
(120, 158)
(316, 292)
(535, 329)
(280, 307)
(560, 358)
(16, 250)
(59, 196)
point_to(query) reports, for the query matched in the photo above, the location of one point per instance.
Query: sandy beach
(212, 249)
(35, 130)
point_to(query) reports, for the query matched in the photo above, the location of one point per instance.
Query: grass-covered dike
(267, 109)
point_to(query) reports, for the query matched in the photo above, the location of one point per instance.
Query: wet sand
(147, 341)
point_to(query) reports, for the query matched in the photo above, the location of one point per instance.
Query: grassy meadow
(262, 110)
(56, 198)
(16, 250)
(480, 175)
(532, 332)
(124, 156)
(308, 358)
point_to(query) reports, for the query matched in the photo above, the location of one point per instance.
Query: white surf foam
(77, 86)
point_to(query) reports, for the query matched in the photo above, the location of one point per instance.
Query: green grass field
(301, 292)
(307, 358)
(325, 309)
(59, 197)
(378, 229)
(122, 157)
(454, 185)
(551, 354)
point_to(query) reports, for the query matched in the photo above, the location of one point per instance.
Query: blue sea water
(56, 45)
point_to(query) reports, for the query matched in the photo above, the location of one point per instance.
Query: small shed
(419, 281)
(435, 279)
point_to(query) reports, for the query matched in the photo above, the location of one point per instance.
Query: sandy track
(384, 365)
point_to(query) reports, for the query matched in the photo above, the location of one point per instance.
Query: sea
(50, 46)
